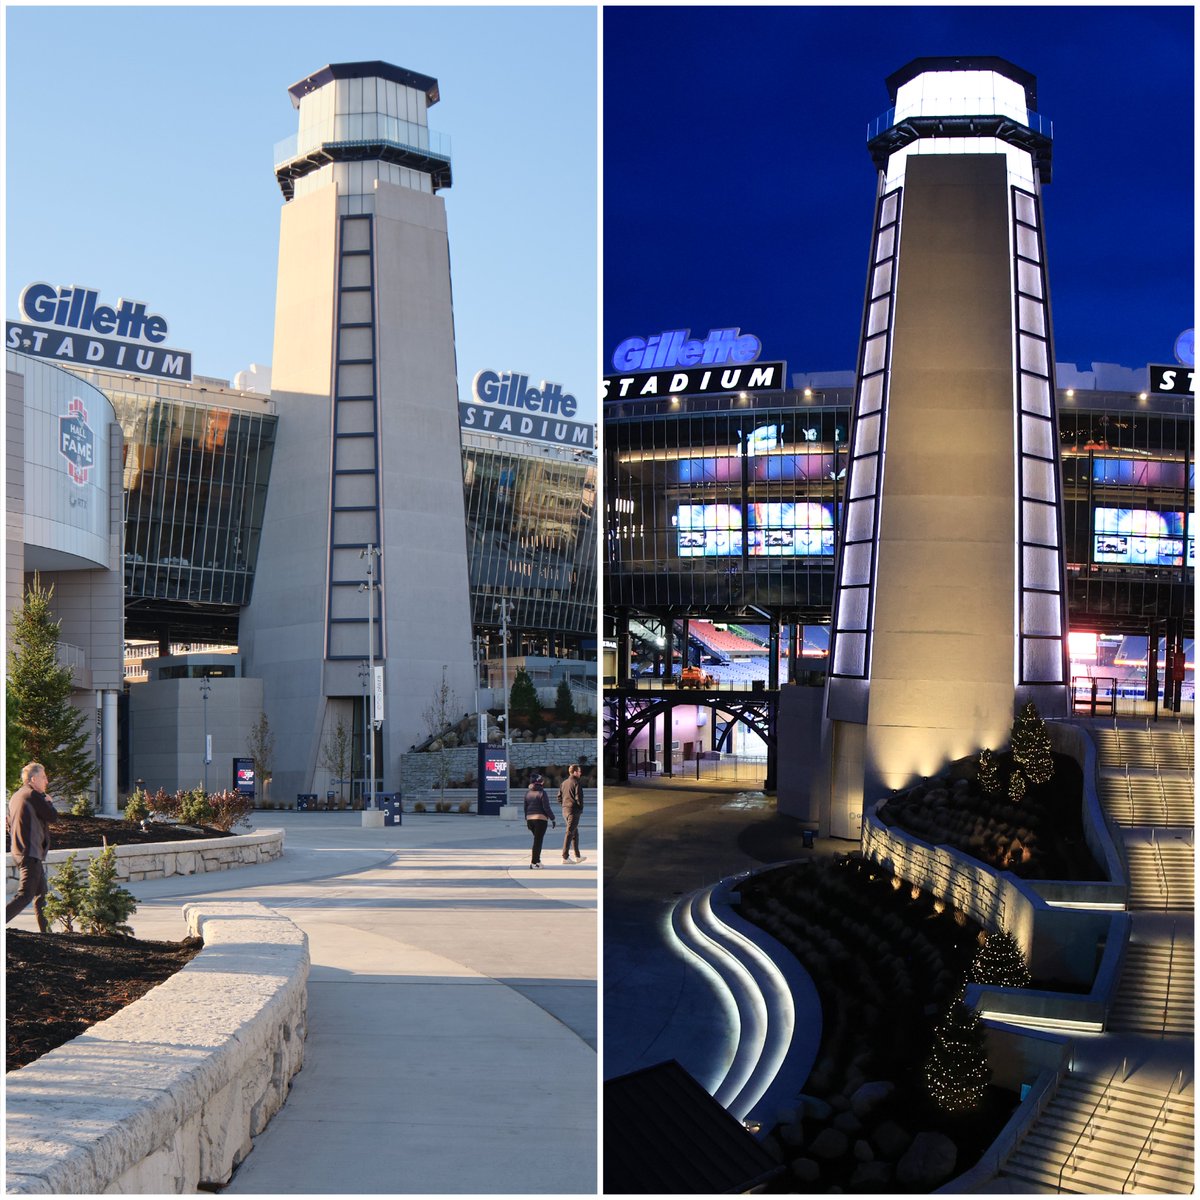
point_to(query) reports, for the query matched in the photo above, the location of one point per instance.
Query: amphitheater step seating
(1170, 745)
(1161, 878)
(1156, 994)
(1087, 1142)
(1148, 799)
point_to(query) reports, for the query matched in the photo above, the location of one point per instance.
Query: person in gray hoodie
(537, 813)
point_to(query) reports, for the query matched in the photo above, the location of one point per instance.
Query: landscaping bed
(80, 833)
(59, 984)
(1039, 837)
(888, 962)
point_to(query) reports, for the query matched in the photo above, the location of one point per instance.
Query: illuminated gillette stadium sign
(505, 403)
(673, 363)
(674, 348)
(70, 326)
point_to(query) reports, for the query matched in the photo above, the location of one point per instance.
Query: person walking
(570, 796)
(537, 813)
(30, 813)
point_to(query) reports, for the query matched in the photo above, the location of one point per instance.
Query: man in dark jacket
(570, 796)
(30, 814)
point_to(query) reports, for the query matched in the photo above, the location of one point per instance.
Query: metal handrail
(1150, 1132)
(1088, 1123)
(1170, 973)
(1129, 786)
(1161, 868)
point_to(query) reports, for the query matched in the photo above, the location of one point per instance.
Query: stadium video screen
(1138, 537)
(772, 529)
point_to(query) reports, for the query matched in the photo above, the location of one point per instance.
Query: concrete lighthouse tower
(950, 607)
(368, 456)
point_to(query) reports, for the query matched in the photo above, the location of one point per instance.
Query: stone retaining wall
(166, 1096)
(158, 860)
(419, 772)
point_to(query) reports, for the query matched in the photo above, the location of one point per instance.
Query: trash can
(807, 836)
(305, 801)
(392, 811)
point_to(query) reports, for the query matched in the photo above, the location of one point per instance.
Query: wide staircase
(1156, 994)
(1106, 1133)
(1105, 1136)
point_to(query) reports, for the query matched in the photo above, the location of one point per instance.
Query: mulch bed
(78, 833)
(59, 984)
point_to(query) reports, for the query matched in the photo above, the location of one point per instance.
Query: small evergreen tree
(137, 807)
(194, 808)
(989, 776)
(1031, 745)
(68, 892)
(1000, 962)
(523, 698)
(957, 1071)
(83, 806)
(107, 906)
(43, 725)
(564, 704)
(1016, 788)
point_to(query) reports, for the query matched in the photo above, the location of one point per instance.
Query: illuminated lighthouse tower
(949, 607)
(368, 452)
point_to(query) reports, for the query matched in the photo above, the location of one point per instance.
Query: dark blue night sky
(738, 189)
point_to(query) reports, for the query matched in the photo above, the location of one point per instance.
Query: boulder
(771, 1145)
(792, 1134)
(863, 1151)
(805, 1170)
(847, 1122)
(829, 1144)
(928, 1162)
(813, 1106)
(890, 1140)
(869, 1096)
(871, 1177)
(839, 1103)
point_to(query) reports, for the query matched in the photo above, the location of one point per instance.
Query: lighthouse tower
(368, 456)
(950, 607)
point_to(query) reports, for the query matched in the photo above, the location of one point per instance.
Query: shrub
(419, 806)
(989, 776)
(83, 806)
(464, 806)
(106, 906)
(229, 809)
(194, 808)
(68, 891)
(136, 807)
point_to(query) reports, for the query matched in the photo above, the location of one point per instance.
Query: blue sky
(139, 162)
(738, 190)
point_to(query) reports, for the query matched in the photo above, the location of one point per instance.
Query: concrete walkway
(452, 1005)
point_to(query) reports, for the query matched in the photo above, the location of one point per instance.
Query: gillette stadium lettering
(77, 308)
(674, 348)
(511, 390)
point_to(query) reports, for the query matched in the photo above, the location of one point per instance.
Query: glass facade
(726, 502)
(1129, 494)
(718, 503)
(196, 463)
(531, 540)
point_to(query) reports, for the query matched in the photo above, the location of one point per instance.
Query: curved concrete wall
(166, 1096)
(158, 860)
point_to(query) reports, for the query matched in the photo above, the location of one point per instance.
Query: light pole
(503, 607)
(364, 674)
(371, 553)
(205, 688)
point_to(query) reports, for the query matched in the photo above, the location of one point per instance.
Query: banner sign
(378, 717)
(76, 442)
(243, 776)
(504, 402)
(1172, 381)
(549, 431)
(648, 385)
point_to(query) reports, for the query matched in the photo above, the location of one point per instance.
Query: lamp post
(371, 553)
(364, 675)
(503, 607)
(205, 688)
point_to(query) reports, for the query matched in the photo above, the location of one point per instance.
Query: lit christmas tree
(957, 1072)
(1000, 962)
(1031, 745)
(1016, 787)
(989, 776)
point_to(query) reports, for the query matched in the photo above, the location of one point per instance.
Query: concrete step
(1088, 1150)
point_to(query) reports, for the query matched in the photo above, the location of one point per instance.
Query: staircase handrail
(1129, 789)
(1150, 1132)
(1161, 868)
(1087, 1124)
(1170, 972)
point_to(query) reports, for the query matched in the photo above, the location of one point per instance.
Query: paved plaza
(452, 1005)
